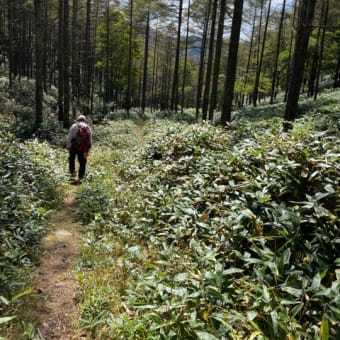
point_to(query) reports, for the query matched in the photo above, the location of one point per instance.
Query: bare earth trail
(56, 285)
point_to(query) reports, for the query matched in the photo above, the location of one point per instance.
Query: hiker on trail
(79, 143)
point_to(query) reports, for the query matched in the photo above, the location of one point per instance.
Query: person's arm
(71, 135)
(90, 139)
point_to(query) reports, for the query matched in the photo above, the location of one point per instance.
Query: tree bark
(259, 68)
(174, 93)
(75, 70)
(277, 53)
(300, 52)
(145, 68)
(60, 62)
(232, 62)
(210, 61)
(39, 60)
(87, 57)
(66, 62)
(202, 61)
(245, 83)
(185, 58)
(289, 62)
(322, 43)
(218, 51)
(128, 91)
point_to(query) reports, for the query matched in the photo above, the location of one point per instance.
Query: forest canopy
(213, 56)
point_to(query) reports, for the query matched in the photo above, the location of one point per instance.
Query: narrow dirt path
(56, 283)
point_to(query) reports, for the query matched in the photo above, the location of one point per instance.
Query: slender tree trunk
(174, 93)
(218, 51)
(154, 69)
(60, 62)
(245, 83)
(166, 77)
(324, 24)
(210, 61)
(277, 53)
(185, 59)
(169, 75)
(145, 68)
(258, 49)
(11, 42)
(39, 60)
(87, 56)
(300, 52)
(128, 92)
(259, 69)
(202, 61)
(93, 58)
(75, 54)
(107, 78)
(66, 62)
(289, 63)
(232, 62)
(315, 56)
(46, 31)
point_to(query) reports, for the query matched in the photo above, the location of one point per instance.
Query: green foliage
(18, 107)
(223, 234)
(30, 185)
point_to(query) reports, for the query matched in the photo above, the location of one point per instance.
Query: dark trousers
(82, 162)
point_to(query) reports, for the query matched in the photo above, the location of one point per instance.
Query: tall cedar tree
(206, 93)
(259, 66)
(60, 61)
(324, 18)
(185, 58)
(39, 60)
(277, 53)
(290, 50)
(145, 68)
(66, 62)
(129, 71)
(218, 51)
(300, 52)
(174, 93)
(202, 61)
(232, 62)
(246, 77)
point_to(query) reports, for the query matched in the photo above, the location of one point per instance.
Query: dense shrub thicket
(30, 184)
(209, 233)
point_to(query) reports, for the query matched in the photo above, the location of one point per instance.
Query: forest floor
(56, 304)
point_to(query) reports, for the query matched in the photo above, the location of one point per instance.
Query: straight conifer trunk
(232, 62)
(39, 60)
(259, 68)
(277, 53)
(174, 93)
(75, 56)
(245, 83)
(145, 68)
(185, 58)
(66, 57)
(206, 93)
(300, 52)
(218, 51)
(128, 91)
(202, 62)
(60, 62)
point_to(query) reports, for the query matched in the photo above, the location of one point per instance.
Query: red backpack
(82, 140)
